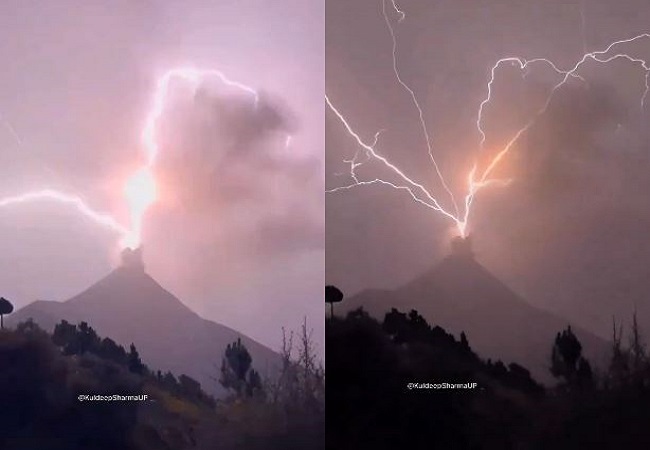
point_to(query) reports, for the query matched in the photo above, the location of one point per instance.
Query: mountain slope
(461, 295)
(130, 306)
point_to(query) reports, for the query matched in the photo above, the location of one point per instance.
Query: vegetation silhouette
(5, 308)
(40, 386)
(568, 363)
(134, 362)
(333, 295)
(237, 373)
(371, 365)
(386, 390)
(42, 376)
(292, 404)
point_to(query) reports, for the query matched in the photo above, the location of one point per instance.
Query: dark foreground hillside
(370, 403)
(42, 377)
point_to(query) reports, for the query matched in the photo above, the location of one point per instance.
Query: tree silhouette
(29, 327)
(189, 386)
(619, 363)
(584, 375)
(5, 308)
(254, 383)
(87, 338)
(110, 350)
(65, 336)
(134, 361)
(236, 371)
(637, 347)
(464, 342)
(170, 382)
(333, 295)
(567, 361)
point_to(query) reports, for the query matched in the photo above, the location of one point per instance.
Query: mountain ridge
(130, 306)
(460, 295)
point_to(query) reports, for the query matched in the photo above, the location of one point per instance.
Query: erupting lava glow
(477, 179)
(140, 193)
(140, 190)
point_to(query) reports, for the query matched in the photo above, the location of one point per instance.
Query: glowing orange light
(140, 193)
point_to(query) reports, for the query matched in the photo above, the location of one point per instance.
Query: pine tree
(236, 371)
(637, 347)
(134, 362)
(567, 361)
(619, 364)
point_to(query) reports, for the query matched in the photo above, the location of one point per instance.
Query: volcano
(459, 294)
(129, 306)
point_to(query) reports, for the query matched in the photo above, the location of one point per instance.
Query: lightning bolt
(476, 179)
(425, 130)
(140, 188)
(193, 77)
(12, 131)
(103, 219)
(600, 56)
(140, 191)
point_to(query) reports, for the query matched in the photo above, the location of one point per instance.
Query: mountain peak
(132, 259)
(461, 247)
(461, 295)
(130, 306)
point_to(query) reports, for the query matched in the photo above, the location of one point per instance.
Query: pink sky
(242, 243)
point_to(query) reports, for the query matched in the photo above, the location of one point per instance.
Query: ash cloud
(242, 120)
(229, 177)
(577, 213)
(570, 144)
